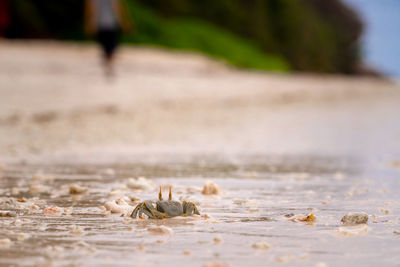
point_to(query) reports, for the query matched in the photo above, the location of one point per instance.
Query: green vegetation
(278, 35)
(313, 35)
(200, 36)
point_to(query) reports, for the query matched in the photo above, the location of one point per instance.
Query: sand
(275, 144)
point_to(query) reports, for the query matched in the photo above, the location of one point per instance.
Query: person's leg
(108, 40)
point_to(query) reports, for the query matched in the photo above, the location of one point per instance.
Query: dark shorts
(108, 40)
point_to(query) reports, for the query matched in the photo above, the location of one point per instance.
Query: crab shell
(170, 207)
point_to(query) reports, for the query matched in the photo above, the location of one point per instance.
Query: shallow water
(258, 191)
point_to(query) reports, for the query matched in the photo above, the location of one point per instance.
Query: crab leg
(136, 210)
(147, 212)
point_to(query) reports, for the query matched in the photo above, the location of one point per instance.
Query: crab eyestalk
(170, 193)
(160, 194)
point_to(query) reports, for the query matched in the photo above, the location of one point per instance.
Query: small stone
(117, 206)
(77, 189)
(211, 188)
(261, 245)
(385, 211)
(141, 248)
(355, 218)
(187, 253)
(218, 240)
(309, 218)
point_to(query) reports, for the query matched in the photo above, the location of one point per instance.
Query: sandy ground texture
(291, 154)
(54, 99)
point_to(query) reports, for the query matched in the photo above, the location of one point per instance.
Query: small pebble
(261, 245)
(141, 248)
(117, 206)
(211, 188)
(386, 211)
(77, 189)
(309, 218)
(218, 240)
(355, 218)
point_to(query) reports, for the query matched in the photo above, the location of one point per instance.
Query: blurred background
(278, 35)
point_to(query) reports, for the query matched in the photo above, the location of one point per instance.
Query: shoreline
(54, 99)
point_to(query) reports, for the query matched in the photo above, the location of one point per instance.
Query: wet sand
(275, 144)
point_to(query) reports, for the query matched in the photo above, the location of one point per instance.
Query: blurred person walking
(106, 19)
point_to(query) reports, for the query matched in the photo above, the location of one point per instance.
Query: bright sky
(382, 35)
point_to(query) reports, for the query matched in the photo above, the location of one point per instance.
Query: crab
(164, 208)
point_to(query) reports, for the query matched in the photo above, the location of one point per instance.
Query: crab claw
(189, 208)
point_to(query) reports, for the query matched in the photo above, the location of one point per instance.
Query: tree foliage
(312, 35)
